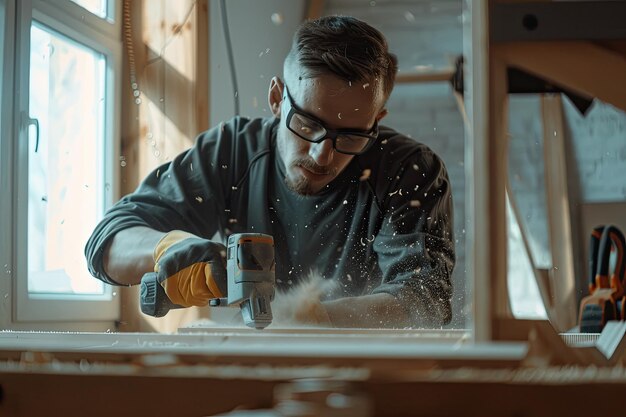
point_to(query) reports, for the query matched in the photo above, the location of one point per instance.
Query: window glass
(66, 185)
(523, 291)
(528, 242)
(527, 174)
(97, 7)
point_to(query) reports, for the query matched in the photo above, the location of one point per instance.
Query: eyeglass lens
(312, 131)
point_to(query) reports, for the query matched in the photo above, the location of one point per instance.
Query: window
(65, 125)
(97, 7)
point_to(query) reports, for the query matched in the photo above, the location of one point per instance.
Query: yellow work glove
(190, 269)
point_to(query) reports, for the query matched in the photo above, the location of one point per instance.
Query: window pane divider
(73, 15)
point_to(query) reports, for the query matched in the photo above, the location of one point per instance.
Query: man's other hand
(190, 269)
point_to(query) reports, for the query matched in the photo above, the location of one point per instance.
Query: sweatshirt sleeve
(415, 245)
(186, 194)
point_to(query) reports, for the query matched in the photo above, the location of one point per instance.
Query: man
(358, 203)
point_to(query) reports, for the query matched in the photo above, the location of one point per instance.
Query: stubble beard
(300, 186)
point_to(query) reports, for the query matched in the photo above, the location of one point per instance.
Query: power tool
(607, 296)
(250, 268)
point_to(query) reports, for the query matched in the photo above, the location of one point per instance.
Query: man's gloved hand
(190, 269)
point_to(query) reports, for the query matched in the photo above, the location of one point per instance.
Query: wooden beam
(424, 77)
(497, 171)
(584, 67)
(477, 161)
(165, 111)
(315, 9)
(618, 46)
(515, 392)
(562, 276)
(201, 75)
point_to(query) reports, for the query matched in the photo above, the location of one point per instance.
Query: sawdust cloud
(301, 304)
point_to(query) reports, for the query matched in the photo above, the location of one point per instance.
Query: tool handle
(594, 246)
(612, 237)
(152, 297)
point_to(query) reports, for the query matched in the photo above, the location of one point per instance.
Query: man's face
(336, 103)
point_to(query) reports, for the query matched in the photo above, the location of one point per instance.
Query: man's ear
(275, 96)
(381, 114)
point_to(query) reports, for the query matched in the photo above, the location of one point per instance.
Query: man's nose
(322, 153)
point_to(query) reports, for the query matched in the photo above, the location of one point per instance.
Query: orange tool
(606, 300)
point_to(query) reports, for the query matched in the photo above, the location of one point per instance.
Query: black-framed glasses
(311, 129)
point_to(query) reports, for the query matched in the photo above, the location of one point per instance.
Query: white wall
(260, 45)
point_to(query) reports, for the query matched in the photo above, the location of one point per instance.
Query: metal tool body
(251, 281)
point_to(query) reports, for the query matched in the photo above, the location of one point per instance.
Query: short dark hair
(345, 47)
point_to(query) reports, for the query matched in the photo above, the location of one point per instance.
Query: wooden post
(497, 171)
(477, 163)
(166, 108)
(587, 68)
(562, 279)
(315, 9)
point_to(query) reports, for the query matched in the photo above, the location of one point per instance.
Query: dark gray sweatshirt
(384, 225)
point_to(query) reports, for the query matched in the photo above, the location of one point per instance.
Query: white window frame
(103, 35)
(6, 160)
(7, 11)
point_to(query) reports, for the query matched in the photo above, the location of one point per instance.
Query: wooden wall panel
(165, 106)
(166, 90)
